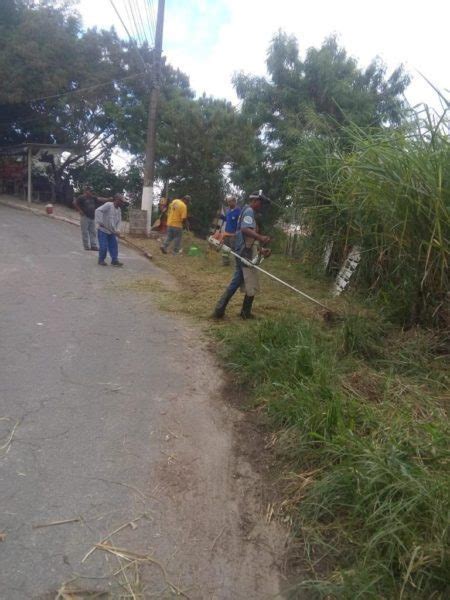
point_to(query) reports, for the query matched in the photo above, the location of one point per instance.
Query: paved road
(113, 411)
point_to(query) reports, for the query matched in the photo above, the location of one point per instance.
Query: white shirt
(108, 218)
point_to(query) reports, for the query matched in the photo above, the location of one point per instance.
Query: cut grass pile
(358, 411)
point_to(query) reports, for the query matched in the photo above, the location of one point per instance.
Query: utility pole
(149, 167)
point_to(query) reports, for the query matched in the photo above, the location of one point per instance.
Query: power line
(141, 21)
(56, 96)
(135, 20)
(128, 33)
(128, 16)
(120, 19)
(85, 89)
(150, 12)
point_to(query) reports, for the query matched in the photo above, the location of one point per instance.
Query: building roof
(19, 148)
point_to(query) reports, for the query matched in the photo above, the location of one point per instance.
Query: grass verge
(359, 418)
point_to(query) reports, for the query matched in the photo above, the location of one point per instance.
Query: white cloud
(399, 31)
(211, 39)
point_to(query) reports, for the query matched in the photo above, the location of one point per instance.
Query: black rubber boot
(219, 310)
(246, 312)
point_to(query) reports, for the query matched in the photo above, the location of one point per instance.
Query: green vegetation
(366, 451)
(388, 192)
(87, 89)
(357, 409)
(359, 423)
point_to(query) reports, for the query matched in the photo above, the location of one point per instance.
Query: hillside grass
(359, 420)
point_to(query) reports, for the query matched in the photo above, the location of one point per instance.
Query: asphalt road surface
(110, 412)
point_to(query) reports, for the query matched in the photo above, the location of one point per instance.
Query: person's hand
(266, 252)
(264, 239)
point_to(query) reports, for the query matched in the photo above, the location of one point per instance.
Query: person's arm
(77, 205)
(249, 232)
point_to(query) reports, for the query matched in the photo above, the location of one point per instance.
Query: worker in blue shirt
(230, 218)
(246, 245)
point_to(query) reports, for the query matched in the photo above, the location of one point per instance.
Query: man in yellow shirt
(176, 218)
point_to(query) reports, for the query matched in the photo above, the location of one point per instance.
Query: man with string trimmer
(247, 245)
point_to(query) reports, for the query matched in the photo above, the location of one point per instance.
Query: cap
(259, 195)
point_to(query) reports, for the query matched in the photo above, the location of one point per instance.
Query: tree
(88, 90)
(199, 141)
(104, 180)
(58, 81)
(314, 96)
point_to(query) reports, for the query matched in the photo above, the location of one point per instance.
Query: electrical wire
(120, 19)
(129, 35)
(151, 18)
(56, 96)
(141, 20)
(129, 18)
(85, 89)
(150, 12)
(135, 19)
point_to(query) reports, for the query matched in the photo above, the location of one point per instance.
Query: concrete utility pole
(149, 167)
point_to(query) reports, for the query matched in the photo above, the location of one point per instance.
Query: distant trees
(313, 96)
(89, 90)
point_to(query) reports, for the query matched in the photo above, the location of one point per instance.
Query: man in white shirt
(108, 218)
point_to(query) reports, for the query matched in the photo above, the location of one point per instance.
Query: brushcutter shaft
(216, 243)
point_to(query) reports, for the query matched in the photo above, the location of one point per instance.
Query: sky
(212, 39)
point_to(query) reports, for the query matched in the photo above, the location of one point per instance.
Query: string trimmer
(218, 244)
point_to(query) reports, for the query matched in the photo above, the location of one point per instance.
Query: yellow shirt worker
(177, 213)
(176, 217)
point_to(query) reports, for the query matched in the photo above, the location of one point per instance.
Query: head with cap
(258, 200)
(187, 199)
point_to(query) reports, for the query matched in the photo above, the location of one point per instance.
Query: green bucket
(194, 251)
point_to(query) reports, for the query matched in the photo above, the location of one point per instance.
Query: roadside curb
(40, 213)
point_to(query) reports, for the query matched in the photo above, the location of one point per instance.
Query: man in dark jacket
(86, 205)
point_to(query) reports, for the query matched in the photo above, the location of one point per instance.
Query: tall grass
(369, 484)
(387, 191)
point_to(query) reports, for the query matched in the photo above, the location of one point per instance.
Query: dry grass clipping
(202, 279)
(134, 559)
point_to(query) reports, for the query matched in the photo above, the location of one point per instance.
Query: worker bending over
(246, 245)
